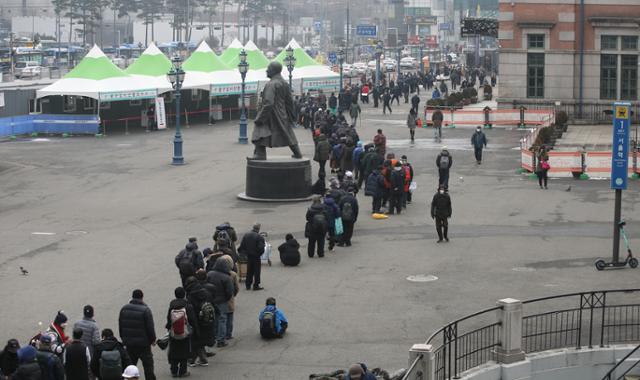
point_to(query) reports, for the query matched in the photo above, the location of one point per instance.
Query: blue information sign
(366, 30)
(317, 26)
(333, 57)
(620, 146)
(445, 26)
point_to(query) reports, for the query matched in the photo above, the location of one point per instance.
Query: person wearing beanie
(9, 358)
(478, 141)
(182, 327)
(77, 358)
(138, 332)
(28, 367)
(57, 332)
(252, 246)
(48, 359)
(89, 327)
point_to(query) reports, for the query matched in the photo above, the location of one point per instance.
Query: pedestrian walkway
(592, 137)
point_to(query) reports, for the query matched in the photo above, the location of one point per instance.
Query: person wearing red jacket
(408, 169)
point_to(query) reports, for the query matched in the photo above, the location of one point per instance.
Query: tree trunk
(153, 27)
(224, 3)
(146, 30)
(84, 27)
(255, 30)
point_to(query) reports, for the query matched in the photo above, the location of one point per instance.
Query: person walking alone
(441, 212)
(479, 141)
(386, 102)
(542, 168)
(443, 163)
(354, 112)
(252, 246)
(411, 124)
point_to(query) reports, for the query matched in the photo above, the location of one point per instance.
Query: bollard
(583, 163)
(453, 124)
(522, 123)
(425, 367)
(487, 122)
(510, 317)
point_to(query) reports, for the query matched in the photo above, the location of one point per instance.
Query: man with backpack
(230, 232)
(316, 227)
(109, 358)
(202, 301)
(50, 363)
(374, 188)
(273, 323)
(189, 260)
(138, 332)
(252, 246)
(349, 212)
(443, 163)
(77, 358)
(181, 324)
(220, 277)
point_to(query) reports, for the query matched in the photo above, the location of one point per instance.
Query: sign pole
(619, 166)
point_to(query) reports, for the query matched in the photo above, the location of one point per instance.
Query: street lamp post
(379, 52)
(290, 61)
(243, 67)
(421, 43)
(341, 63)
(176, 77)
(398, 54)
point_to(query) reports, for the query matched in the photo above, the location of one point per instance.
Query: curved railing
(577, 320)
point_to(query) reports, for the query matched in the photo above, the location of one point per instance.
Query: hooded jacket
(8, 361)
(236, 283)
(221, 279)
(28, 369)
(441, 205)
(290, 252)
(323, 149)
(444, 153)
(374, 185)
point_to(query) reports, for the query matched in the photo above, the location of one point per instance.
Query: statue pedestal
(278, 179)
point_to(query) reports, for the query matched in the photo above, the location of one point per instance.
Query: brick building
(540, 54)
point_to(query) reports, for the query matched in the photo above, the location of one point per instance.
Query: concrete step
(632, 377)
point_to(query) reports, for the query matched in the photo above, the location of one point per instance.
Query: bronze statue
(276, 117)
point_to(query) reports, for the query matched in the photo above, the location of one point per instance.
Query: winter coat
(375, 184)
(441, 205)
(397, 180)
(8, 362)
(415, 100)
(370, 162)
(196, 296)
(252, 245)
(354, 110)
(312, 211)
(47, 359)
(76, 361)
(437, 117)
(332, 211)
(411, 121)
(346, 161)
(221, 278)
(181, 349)
(323, 149)
(319, 187)
(236, 284)
(333, 101)
(136, 324)
(354, 205)
(478, 140)
(28, 371)
(380, 141)
(444, 153)
(281, 319)
(108, 344)
(408, 176)
(195, 258)
(357, 155)
(90, 332)
(290, 252)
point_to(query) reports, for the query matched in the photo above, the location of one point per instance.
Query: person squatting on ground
(290, 251)
(479, 141)
(273, 322)
(441, 212)
(252, 246)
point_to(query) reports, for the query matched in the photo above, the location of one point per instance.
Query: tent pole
(209, 96)
(104, 127)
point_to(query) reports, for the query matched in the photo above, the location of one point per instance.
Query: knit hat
(26, 354)
(13, 346)
(191, 247)
(355, 372)
(131, 372)
(179, 292)
(88, 311)
(193, 239)
(137, 294)
(348, 174)
(60, 318)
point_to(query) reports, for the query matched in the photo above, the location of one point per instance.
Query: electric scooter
(632, 261)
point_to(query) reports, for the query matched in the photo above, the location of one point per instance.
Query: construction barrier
(49, 124)
(571, 164)
(504, 117)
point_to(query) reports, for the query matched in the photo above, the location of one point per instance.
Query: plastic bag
(413, 186)
(338, 226)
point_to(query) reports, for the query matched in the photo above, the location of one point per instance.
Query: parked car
(389, 64)
(372, 65)
(348, 70)
(27, 69)
(408, 63)
(360, 68)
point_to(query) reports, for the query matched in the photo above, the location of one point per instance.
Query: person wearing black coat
(28, 369)
(252, 246)
(108, 343)
(374, 187)
(197, 295)
(189, 260)
(396, 191)
(313, 231)
(348, 223)
(180, 349)
(441, 212)
(289, 251)
(9, 358)
(138, 333)
(76, 358)
(221, 278)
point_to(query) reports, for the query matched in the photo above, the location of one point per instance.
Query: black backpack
(207, 313)
(185, 264)
(110, 365)
(268, 324)
(444, 161)
(347, 212)
(319, 222)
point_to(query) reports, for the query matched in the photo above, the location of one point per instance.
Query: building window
(535, 41)
(609, 42)
(629, 42)
(535, 75)
(629, 78)
(608, 76)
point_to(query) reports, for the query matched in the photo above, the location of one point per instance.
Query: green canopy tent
(231, 52)
(153, 65)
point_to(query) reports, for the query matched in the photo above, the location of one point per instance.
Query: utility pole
(346, 50)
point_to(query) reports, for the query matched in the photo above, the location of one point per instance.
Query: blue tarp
(55, 124)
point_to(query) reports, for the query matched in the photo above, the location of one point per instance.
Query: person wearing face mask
(479, 141)
(441, 212)
(397, 189)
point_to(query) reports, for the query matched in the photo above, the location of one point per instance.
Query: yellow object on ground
(379, 216)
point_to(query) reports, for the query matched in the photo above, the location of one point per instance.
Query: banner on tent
(233, 89)
(161, 116)
(115, 96)
(310, 84)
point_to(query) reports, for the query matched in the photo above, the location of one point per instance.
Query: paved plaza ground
(114, 213)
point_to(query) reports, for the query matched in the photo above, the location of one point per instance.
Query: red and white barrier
(565, 164)
(475, 117)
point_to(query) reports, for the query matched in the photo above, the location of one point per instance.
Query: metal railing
(594, 111)
(609, 374)
(570, 320)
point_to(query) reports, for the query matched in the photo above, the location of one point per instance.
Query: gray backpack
(110, 365)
